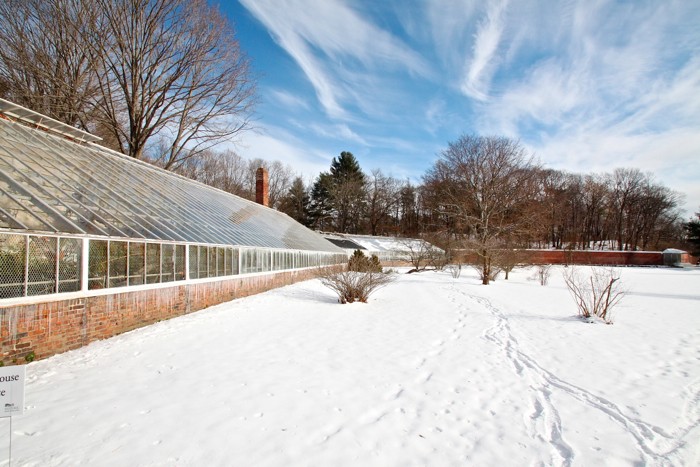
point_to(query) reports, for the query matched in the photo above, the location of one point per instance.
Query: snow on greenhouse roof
(51, 184)
(375, 244)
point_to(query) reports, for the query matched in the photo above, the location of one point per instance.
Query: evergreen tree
(296, 202)
(693, 234)
(321, 208)
(338, 196)
(346, 168)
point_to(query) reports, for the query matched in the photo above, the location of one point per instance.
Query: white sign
(12, 390)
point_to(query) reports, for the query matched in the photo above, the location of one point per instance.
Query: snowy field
(433, 371)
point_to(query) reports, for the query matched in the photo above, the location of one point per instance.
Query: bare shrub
(422, 254)
(543, 272)
(353, 286)
(363, 277)
(455, 270)
(596, 294)
(508, 259)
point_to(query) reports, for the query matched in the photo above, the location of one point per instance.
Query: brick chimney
(262, 187)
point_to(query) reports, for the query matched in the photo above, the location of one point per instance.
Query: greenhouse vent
(94, 243)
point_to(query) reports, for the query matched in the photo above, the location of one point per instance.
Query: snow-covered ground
(433, 371)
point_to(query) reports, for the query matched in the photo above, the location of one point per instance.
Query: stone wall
(40, 330)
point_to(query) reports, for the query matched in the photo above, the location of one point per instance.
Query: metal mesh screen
(97, 264)
(168, 263)
(194, 262)
(12, 261)
(118, 254)
(69, 261)
(41, 268)
(152, 263)
(137, 263)
(179, 262)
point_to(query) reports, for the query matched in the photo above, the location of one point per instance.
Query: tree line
(488, 192)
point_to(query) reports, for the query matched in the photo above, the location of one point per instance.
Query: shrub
(597, 294)
(455, 270)
(508, 259)
(543, 272)
(360, 263)
(363, 277)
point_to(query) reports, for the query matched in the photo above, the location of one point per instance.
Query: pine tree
(320, 207)
(693, 234)
(338, 196)
(296, 203)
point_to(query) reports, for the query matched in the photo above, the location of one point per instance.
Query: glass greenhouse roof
(49, 183)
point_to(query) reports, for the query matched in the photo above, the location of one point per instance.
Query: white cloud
(486, 41)
(287, 99)
(326, 38)
(339, 132)
(450, 24)
(305, 158)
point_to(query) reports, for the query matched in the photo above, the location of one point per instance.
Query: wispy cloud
(287, 99)
(328, 37)
(478, 71)
(338, 132)
(276, 143)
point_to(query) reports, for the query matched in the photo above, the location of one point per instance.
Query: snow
(433, 371)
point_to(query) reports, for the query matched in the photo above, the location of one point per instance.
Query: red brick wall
(635, 258)
(631, 258)
(45, 329)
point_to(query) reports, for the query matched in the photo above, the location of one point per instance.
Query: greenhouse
(76, 217)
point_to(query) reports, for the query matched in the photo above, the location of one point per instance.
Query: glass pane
(152, 263)
(179, 262)
(137, 263)
(69, 261)
(212, 261)
(194, 263)
(12, 257)
(117, 264)
(41, 273)
(203, 262)
(97, 264)
(220, 261)
(168, 263)
(234, 260)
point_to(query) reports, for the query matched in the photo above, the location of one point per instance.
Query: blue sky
(586, 86)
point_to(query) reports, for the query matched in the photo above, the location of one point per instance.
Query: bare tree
(171, 69)
(45, 63)
(382, 199)
(160, 80)
(483, 184)
(280, 179)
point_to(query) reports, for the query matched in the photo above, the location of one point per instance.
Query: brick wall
(593, 257)
(44, 329)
